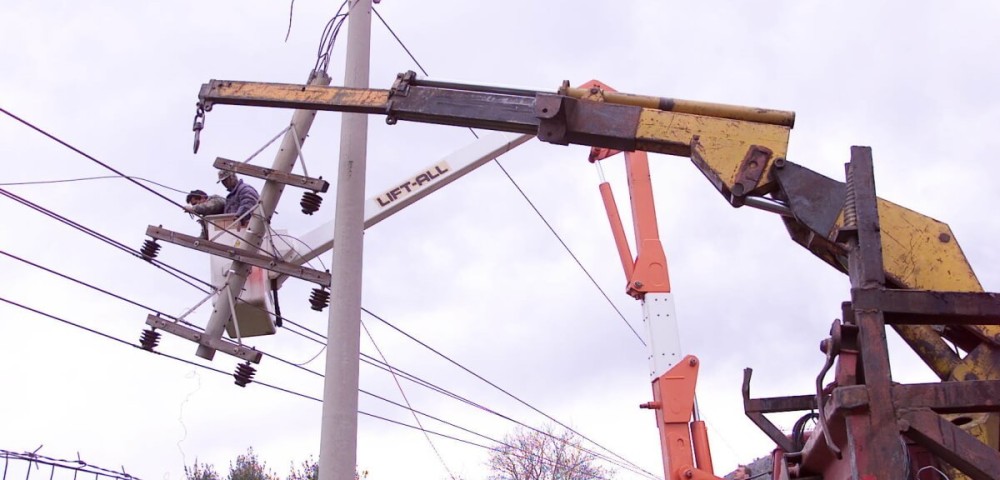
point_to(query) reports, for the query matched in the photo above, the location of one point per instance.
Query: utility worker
(201, 204)
(742, 472)
(242, 197)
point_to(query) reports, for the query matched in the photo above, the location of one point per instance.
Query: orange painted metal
(702, 451)
(650, 273)
(673, 400)
(617, 230)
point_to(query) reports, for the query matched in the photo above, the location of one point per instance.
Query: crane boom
(742, 152)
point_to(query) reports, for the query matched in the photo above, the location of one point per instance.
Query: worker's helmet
(223, 174)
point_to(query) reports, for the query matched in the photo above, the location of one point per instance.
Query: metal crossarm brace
(308, 183)
(220, 344)
(931, 307)
(974, 458)
(239, 255)
(946, 397)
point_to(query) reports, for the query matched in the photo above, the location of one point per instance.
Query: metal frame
(866, 419)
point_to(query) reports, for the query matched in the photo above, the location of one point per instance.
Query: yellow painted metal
(719, 110)
(722, 143)
(276, 94)
(921, 253)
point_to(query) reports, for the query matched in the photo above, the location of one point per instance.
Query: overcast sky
(471, 270)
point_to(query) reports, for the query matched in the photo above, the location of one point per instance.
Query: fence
(32, 466)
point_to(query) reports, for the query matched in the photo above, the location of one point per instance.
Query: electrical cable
(328, 38)
(401, 44)
(129, 250)
(523, 194)
(571, 254)
(387, 367)
(169, 269)
(367, 359)
(104, 238)
(81, 282)
(407, 400)
(518, 399)
(81, 179)
(275, 387)
(384, 366)
(291, 10)
(135, 253)
(87, 156)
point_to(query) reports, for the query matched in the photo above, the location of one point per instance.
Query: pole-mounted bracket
(270, 174)
(219, 344)
(239, 254)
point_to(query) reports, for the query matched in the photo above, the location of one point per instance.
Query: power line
(167, 268)
(525, 195)
(102, 177)
(104, 238)
(85, 155)
(401, 44)
(281, 389)
(407, 400)
(81, 282)
(568, 250)
(134, 253)
(380, 364)
(367, 359)
(511, 395)
(385, 366)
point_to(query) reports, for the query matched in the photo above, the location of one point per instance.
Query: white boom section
(284, 160)
(660, 317)
(425, 182)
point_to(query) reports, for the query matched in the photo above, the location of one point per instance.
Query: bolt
(779, 162)
(824, 346)
(688, 474)
(944, 237)
(738, 190)
(594, 90)
(637, 284)
(693, 362)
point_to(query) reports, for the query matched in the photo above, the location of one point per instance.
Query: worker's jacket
(242, 199)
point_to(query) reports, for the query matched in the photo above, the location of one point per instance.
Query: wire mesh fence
(32, 466)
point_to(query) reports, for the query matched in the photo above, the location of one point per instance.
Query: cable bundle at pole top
(329, 38)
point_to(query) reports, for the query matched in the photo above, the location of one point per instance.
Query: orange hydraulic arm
(684, 442)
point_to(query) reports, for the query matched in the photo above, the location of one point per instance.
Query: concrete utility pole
(338, 448)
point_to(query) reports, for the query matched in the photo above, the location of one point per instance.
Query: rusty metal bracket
(949, 397)
(922, 307)
(551, 113)
(291, 179)
(222, 345)
(758, 418)
(750, 171)
(401, 86)
(974, 458)
(240, 254)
